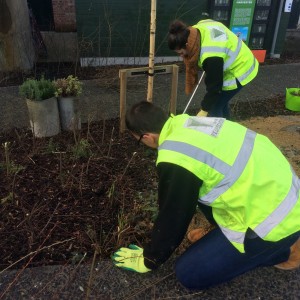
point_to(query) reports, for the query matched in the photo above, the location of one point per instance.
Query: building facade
(100, 32)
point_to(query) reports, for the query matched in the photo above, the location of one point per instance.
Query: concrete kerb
(108, 282)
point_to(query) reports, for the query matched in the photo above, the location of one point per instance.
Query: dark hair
(178, 35)
(144, 117)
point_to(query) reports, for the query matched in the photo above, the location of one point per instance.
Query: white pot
(43, 117)
(68, 113)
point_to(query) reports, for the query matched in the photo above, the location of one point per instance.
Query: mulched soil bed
(75, 194)
(274, 106)
(61, 198)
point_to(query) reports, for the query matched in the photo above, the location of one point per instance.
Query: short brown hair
(145, 117)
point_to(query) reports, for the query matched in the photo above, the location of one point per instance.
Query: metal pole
(194, 92)
(276, 29)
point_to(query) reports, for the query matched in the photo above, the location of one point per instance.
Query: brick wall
(64, 15)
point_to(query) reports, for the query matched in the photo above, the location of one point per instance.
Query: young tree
(152, 50)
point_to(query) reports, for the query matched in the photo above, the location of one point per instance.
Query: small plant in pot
(67, 90)
(292, 99)
(42, 106)
(68, 87)
(37, 89)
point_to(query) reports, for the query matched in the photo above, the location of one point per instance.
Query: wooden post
(125, 73)
(151, 51)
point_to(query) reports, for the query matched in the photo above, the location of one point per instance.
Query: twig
(13, 188)
(87, 165)
(81, 180)
(34, 252)
(6, 154)
(88, 291)
(31, 160)
(75, 137)
(91, 137)
(110, 142)
(89, 121)
(50, 218)
(103, 133)
(134, 153)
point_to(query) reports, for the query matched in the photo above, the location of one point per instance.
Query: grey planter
(44, 117)
(68, 113)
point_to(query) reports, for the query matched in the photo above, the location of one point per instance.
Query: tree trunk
(151, 51)
(16, 44)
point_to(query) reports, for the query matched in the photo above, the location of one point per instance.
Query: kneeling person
(239, 179)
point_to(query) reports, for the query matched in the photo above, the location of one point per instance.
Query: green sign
(241, 18)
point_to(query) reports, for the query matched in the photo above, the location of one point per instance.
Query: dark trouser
(213, 259)
(221, 108)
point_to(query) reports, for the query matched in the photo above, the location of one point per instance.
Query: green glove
(130, 258)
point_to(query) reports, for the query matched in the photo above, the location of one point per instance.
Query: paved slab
(98, 102)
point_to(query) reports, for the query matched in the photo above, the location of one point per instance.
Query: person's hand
(202, 113)
(130, 258)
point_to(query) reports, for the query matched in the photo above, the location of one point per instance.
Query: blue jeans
(213, 259)
(221, 108)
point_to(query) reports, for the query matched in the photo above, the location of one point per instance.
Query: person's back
(240, 179)
(218, 41)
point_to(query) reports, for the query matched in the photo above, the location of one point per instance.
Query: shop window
(257, 43)
(263, 3)
(261, 15)
(222, 2)
(220, 15)
(259, 28)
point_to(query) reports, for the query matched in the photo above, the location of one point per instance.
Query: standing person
(227, 61)
(242, 179)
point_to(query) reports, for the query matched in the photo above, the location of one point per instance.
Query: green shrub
(37, 90)
(82, 149)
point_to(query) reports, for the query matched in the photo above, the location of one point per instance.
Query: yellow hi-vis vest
(239, 61)
(246, 179)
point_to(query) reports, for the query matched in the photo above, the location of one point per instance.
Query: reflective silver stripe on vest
(232, 58)
(235, 171)
(246, 74)
(233, 236)
(229, 82)
(282, 210)
(231, 173)
(242, 77)
(232, 54)
(197, 154)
